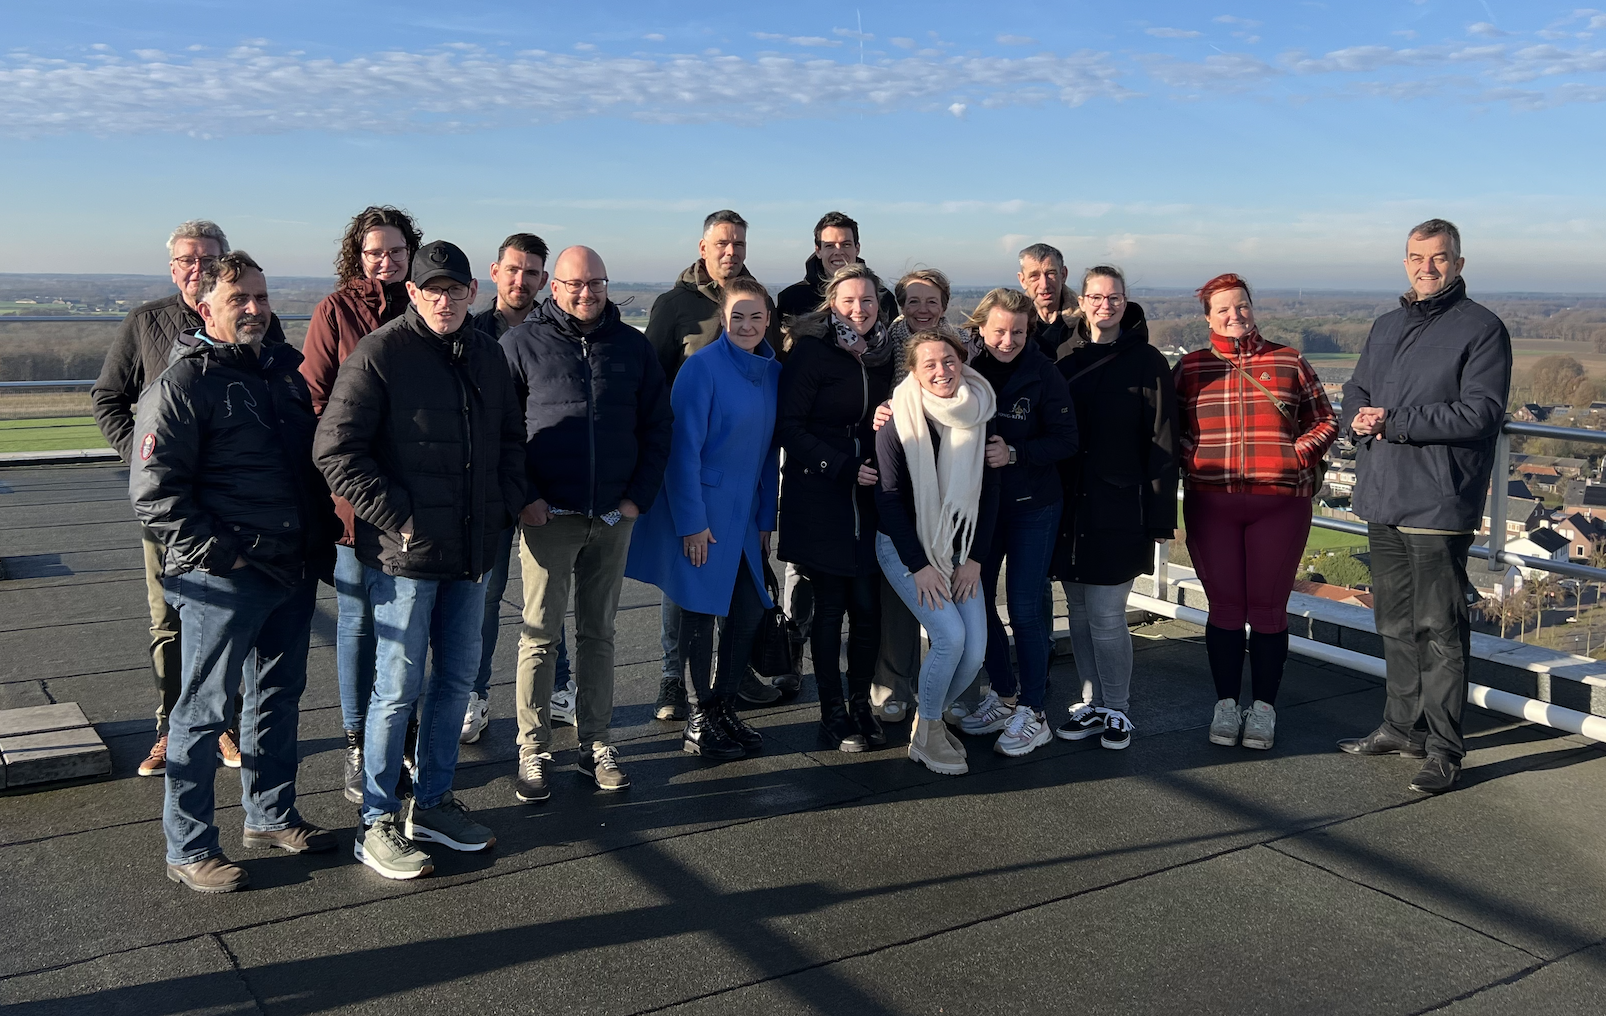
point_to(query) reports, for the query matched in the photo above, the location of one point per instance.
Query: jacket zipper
(468, 473)
(591, 427)
(864, 377)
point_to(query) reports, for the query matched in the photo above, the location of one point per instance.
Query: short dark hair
(1041, 252)
(524, 243)
(348, 263)
(724, 215)
(744, 285)
(835, 220)
(1438, 227)
(227, 268)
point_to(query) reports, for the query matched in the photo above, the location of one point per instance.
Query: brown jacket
(687, 318)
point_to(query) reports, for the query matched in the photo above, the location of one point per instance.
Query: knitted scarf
(873, 349)
(947, 483)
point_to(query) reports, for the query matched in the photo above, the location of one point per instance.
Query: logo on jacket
(1265, 376)
(246, 399)
(1021, 410)
(147, 446)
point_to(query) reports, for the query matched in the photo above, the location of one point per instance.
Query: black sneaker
(530, 782)
(754, 690)
(864, 718)
(1086, 721)
(705, 735)
(735, 727)
(839, 729)
(354, 773)
(671, 703)
(601, 763)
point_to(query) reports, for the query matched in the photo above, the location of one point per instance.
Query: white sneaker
(475, 719)
(989, 717)
(1260, 726)
(1226, 723)
(1025, 731)
(563, 704)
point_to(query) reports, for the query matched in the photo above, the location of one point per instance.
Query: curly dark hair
(348, 263)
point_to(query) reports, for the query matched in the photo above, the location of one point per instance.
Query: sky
(1294, 143)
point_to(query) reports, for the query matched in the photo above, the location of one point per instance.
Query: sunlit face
(1430, 266)
(518, 277)
(384, 255)
(237, 312)
(190, 255)
(937, 369)
(1231, 315)
(723, 250)
(580, 284)
(1041, 280)
(1004, 333)
(443, 302)
(922, 306)
(836, 248)
(746, 321)
(855, 302)
(1103, 301)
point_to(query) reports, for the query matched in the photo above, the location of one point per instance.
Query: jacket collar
(697, 277)
(455, 345)
(1134, 331)
(1250, 344)
(752, 366)
(549, 313)
(1439, 302)
(270, 356)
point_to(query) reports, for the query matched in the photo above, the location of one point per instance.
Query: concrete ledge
(44, 744)
(58, 457)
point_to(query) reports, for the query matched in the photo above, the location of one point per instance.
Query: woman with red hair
(1255, 423)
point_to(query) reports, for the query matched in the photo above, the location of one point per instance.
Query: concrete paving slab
(190, 978)
(1572, 986)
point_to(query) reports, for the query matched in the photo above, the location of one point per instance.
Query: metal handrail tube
(1520, 429)
(48, 384)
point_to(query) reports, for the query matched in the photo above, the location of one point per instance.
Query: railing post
(1162, 578)
(1499, 486)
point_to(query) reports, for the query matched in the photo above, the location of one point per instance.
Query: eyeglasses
(575, 285)
(435, 294)
(393, 253)
(1114, 300)
(190, 261)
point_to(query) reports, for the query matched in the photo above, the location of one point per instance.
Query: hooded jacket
(1441, 368)
(1036, 418)
(596, 411)
(804, 297)
(224, 469)
(687, 317)
(1050, 337)
(425, 427)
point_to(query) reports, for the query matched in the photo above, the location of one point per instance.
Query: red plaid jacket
(1233, 438)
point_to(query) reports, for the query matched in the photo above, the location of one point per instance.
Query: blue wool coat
(723, 475)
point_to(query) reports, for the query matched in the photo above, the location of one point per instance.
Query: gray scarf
(873, 349)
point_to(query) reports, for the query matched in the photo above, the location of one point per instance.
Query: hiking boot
(1383, 741)
(1117, 730)
(210, 875)
(305, 838)
(754, 690)
(671, 703)
(228, 748)
(155, 763)
(736, 728)
(530, 782)
(705, 735)
(931, 749)
(383, 848)
(353, 767)
(989, 717)
(863, 717)
(839, 729)
(1260, 726)
(563, 702)
(1437, 775)
(601, 763)
(1085, 721)
(1226, 723)
(1026, 731)
(475, 718)
(447, 824)
(788, 684)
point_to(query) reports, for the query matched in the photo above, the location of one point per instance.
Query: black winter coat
(823, 420)
(425, 427)
(224, 463)
(140, 352)
(1036, 417)
(804, 297)
(1441, 367)
(596, 411)
(1121, 487)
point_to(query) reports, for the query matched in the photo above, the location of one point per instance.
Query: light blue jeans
(957, 631)
(354, 638)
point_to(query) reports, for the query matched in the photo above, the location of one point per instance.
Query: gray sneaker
(447, 824)
(1260, 726)
(601, 763)
(1226, 723)
(383, 848)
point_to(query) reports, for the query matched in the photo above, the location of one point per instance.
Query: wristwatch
(1013, 455)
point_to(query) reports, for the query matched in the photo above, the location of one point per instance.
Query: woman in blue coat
(705, 541)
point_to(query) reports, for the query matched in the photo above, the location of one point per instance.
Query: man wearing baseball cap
(424, 436)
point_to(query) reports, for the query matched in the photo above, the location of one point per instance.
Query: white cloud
(654, 37)
(798, 40)
(1173, 33)
(1485, 30)
(958, 110)
(1016, 40)
(848, 33)
(1228, 19)
(902, 43)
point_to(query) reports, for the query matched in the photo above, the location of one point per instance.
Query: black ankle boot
(354, 770)
(706, 737)
(838, 728)
(864, 719)
(736, 728)
(1225, 649)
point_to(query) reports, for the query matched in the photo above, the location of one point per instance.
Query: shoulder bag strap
(1282, 407)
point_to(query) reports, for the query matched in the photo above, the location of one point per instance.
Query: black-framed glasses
(393, 253)
(1114, 299)
(435, 294)
(575, 285)
(189, 261)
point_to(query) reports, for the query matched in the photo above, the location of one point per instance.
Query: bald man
(597, 421)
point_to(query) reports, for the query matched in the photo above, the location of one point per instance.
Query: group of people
(901, 467)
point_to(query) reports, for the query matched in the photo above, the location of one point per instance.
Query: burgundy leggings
(1246, 549)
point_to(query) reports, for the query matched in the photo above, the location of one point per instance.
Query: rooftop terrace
(1172, 877)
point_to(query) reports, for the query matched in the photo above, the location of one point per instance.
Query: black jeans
(1419, 601)
(736, 632)
(859, 597)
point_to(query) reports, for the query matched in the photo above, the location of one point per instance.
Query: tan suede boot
(929, 746)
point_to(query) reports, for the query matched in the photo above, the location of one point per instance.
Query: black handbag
(772, 646)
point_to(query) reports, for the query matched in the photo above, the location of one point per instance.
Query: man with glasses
(836, 245)
(1042, 277)
(423, 435)
(138, 356)
(597, 434)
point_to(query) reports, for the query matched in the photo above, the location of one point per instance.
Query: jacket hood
(814, 325)
(455, 344)
(1134, 332)
(273, 353)
(550, 315)
(697, 277)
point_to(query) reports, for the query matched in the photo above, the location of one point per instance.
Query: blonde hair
(1012, 301)
(931, 277)
(918, 339)
(848, 273)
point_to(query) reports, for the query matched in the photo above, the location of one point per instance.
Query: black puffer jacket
(804, 297)
(224, 469)
(1035, 417)
(140, 352)
(826, 403)
(596, 411)
(1441, 367)
(1121, 487)
(425, 427)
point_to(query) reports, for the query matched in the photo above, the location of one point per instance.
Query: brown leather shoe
(228, 748)
(211, 875)
(305, 838)
(155, 763)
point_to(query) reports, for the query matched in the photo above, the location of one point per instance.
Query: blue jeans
(1027, 540)
(354, 638)
(958, 634)
(669, 613)
(405, 612)
(495, 586)
(243, 634)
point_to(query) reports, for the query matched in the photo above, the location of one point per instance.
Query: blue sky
(1292, 142)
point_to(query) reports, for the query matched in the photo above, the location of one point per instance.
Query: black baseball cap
(439, 258)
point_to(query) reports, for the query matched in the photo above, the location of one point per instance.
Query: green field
(62, 433)
(1330, 539)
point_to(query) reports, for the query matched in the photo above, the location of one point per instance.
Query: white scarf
(947, 484)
